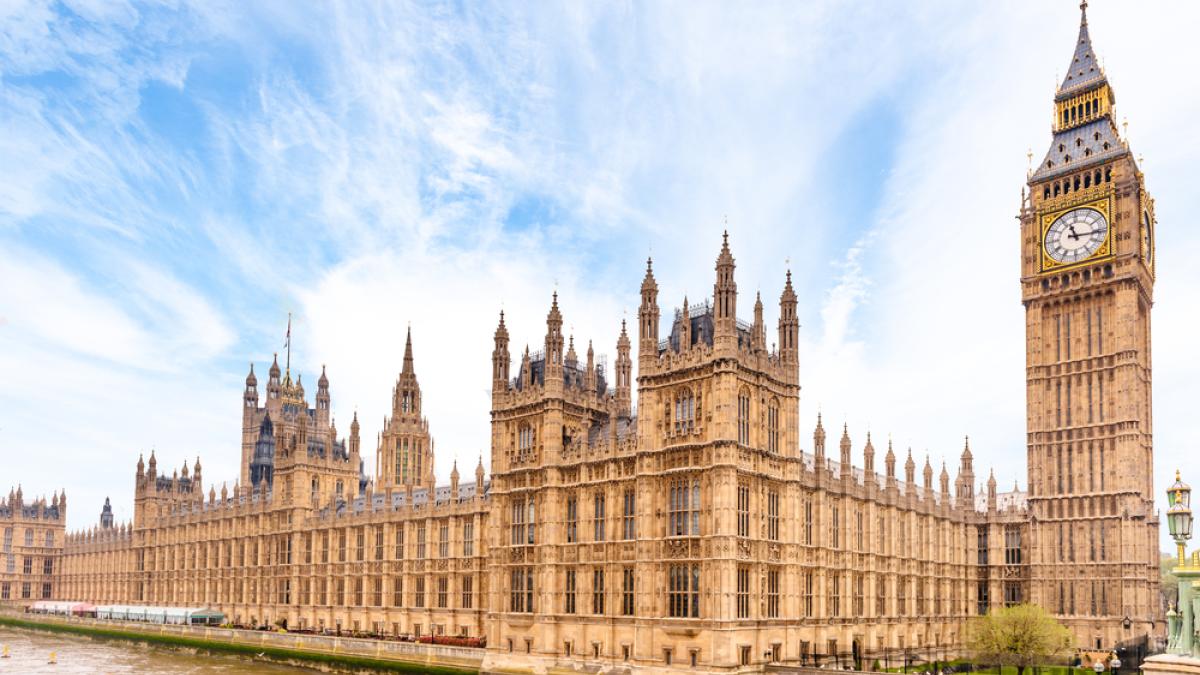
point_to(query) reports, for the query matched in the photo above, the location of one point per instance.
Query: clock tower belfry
(1087, 280)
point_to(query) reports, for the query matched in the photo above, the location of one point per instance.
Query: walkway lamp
(1179, 515)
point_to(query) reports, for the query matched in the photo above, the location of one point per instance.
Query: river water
(29, 652)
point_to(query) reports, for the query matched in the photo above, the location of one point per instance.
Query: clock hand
(1073, 234)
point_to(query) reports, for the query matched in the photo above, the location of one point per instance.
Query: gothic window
(420, 541)
(597, 591)
(379, 542)
(399, 542)
(808, 594)
(773, 593)
(773, 426)
(1012, 545)
(808, 521)
(522, 521)
(981, 597)
(683, 591)
(981, 536)
(28, 537)
(468, 592)
(835, 594)
(743, 506)
(627, 591)
(880, 595)
(858, 594)
(683, 507)
(524, 439)
(444, 540)
(599, 507)
(743, 592)
(773, 515)
(685, 411)
(572, 519)
(443, 586)
(901, 596)
(744, 416)
(836, 529)
(628, 529)
(520, 590)
(569, 593)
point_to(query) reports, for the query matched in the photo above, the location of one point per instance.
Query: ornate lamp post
(1179, 516)
(1181, 638)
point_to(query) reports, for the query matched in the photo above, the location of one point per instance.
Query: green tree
(1167, 581)
(1020, 636)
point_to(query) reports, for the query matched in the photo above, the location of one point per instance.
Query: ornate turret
(846, 466)
(819, 444)
(479, 477)
(789, 324)
(454, 481)
(944, 483)
(250, 398)
(624, 384)
(758, 332)
(323, 399)
(274, 385)
(648, 316)
(890, 464)
(928, 474)
(500, 357)
(965, 485)
(724, 300)
(910, 471)
(991, 491)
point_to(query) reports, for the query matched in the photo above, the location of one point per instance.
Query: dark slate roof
(1080, 148)
(1084, 69)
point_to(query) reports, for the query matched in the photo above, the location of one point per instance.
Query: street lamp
(1179, 515)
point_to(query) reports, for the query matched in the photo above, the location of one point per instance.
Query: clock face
(1147, 238)
(1076, 235)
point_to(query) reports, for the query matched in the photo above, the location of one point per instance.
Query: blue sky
(175, 178)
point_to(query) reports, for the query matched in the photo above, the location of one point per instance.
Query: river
(29, 652)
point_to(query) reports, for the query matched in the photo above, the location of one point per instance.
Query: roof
(1081, 146)
(1084, 69)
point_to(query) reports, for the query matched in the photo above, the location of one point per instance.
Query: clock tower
(1087, 282)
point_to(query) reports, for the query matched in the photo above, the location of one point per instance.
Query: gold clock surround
(1104, 206)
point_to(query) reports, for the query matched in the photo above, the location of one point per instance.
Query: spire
(789, 324)
(251, 380)
(725, 299)
(274, 372)
(500, 357)
(966, 453)
(323, 381)
(1084, 68)
(408, 357)
(648, 315)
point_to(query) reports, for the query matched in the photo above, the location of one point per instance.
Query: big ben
(1087, 281)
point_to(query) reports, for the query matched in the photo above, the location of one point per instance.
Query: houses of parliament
(693, 525)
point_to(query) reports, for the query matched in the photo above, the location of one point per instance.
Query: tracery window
(683, 508)
(524, 439)
(743, 592)
(572, 519)
(597, 591)
(743, 510)
(600, 504)
(773, 426)
(628, 529)
(773, 515)
(683, 591)
(685, 411)
(744, 417)
(773, 593)
(521, 590)
(523, 522)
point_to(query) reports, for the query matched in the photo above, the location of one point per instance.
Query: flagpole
(288, 343)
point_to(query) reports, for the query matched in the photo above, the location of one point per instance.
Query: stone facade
(693, 531)
(31, 547)
(1087, 280)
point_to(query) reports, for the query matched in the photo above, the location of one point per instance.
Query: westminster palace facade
(689, 524)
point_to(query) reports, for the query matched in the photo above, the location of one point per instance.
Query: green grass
(275, 653)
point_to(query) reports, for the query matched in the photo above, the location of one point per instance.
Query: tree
(1021, 636)
(1167, 580)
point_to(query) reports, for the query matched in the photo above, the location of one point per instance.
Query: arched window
(685, 411)
(524, 439)
(744, 416)
(773, 425)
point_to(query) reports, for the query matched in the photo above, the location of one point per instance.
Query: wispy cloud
(177, 178)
